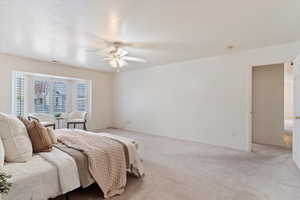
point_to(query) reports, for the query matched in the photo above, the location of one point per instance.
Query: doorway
(269, 111)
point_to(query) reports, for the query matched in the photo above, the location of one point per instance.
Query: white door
(296, 132)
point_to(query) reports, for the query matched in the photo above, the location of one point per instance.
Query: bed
(48, 175)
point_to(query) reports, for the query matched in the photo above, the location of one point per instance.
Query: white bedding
(135, 160)
(48, 175)
(132, 146)
(41, 177)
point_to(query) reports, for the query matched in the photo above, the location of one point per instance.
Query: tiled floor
(189, 171)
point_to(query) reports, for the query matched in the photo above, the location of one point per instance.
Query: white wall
(101, 116)
(206, 100)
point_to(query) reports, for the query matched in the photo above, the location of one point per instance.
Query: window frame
(71, 95)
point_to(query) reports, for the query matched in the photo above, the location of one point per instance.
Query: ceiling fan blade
(109, 50)
(134, 59)
(107, 58)
(98, 51)
(92, 50)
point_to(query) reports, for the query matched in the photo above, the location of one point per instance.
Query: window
(82, 97)
(19, 94)
(36, 93)
(49, 96)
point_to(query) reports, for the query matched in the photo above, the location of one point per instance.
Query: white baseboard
(181, 139)
(297, 161)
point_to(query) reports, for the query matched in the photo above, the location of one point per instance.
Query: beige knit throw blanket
(107, 162)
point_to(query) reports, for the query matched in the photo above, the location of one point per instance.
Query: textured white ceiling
(161, 31)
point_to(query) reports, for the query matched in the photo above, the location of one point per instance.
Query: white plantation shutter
(59, 97)
(19, 94)
(82, 97)
(41, 96)
(49, 95)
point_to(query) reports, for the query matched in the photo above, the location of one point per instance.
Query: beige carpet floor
(181, 170)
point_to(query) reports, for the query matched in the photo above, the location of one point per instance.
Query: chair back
(42, 117)
(77, 115)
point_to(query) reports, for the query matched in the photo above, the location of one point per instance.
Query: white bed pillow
(52, 136)
(2, 154)
(16, 142)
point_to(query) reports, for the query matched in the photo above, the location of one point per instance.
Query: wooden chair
(45, 119)
(75, 118)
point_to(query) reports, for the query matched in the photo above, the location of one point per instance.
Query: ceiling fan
(117, 56)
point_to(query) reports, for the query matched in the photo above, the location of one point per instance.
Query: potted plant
(57, 115)
(4, 184)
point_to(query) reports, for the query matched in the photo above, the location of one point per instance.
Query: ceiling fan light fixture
(114, 63)
(117, 56)
(122, 62)
(121, 52)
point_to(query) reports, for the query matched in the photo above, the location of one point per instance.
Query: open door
(296, 131)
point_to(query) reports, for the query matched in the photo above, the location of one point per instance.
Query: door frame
(295, 158)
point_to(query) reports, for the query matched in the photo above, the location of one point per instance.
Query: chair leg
(84, 126)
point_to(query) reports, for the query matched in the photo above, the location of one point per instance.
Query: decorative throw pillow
(52, 136)
(41, 141)
(16, 141)
(2, 154)
(25, 121)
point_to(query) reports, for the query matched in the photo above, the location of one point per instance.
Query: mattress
(42, 177)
